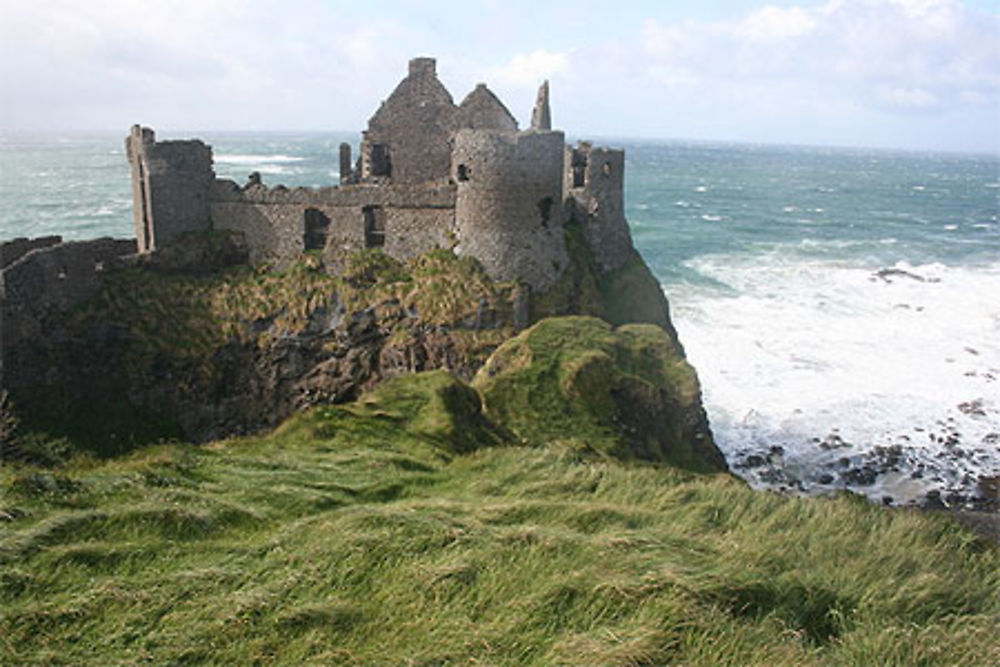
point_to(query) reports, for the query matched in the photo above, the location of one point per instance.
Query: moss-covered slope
(626, 392)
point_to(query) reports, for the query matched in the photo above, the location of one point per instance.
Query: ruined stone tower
(171, 181)
(594, 194)
(508, 211)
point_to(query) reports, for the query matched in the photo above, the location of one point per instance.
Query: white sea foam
(276, 169)
(256, 159)
(810, 348)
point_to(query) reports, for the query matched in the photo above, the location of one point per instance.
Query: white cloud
(771, 23)
(786, 68)
(901, 53)
(528, 69)
(909, 98)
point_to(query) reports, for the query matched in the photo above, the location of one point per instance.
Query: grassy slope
(623, 392)
(370, 534)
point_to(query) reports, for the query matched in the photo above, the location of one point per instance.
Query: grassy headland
(413, 527)
(559, 509)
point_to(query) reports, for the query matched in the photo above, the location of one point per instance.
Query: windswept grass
(402, 530)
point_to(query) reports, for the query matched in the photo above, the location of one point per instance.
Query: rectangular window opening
(374, 220)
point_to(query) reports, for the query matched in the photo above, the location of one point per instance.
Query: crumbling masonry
(430, 174)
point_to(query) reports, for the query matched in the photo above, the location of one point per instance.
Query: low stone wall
(53, 278)
(15, 249)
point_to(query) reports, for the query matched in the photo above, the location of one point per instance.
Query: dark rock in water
(888, 274)
(825, 478)
(989, 487)
(972, 408)
(955, 499)
(777, 477)
(888, 500)
(863, 476)
(833, 441)
(754, 461)
(932, 501)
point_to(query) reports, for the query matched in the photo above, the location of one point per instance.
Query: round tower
(508, 210)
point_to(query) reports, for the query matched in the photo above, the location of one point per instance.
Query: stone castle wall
(431, 174)
(15, 249)
(508, 211)
(280, 223)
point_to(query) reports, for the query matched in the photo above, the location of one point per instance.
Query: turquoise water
(770, 256)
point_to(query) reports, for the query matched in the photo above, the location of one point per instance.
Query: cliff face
(192, 343)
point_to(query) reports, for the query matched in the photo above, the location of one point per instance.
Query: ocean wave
(807, 347)
(255, 159)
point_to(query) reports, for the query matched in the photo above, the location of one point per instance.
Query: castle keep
(430, 174)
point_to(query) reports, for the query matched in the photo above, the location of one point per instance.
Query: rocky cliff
(194, 344)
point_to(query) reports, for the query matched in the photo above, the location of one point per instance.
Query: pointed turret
(541, 117)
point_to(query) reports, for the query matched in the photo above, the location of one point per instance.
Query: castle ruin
(430, 174)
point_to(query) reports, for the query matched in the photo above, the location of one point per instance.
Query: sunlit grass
(403, 529)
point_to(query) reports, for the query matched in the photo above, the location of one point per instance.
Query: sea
(841, 305)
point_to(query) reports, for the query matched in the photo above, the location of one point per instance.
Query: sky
(912, 74)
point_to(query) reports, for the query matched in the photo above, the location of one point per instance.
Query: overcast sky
(921, 74)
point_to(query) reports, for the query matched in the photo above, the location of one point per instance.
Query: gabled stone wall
(408, 138)
(482, 110)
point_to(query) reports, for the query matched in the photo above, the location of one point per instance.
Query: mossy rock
(628, 294)
(626, 392)
(432, 411)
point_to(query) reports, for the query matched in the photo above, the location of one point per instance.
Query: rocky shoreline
(946, 475)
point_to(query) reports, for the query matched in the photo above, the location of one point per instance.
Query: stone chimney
(423, 67)
(541, 117)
